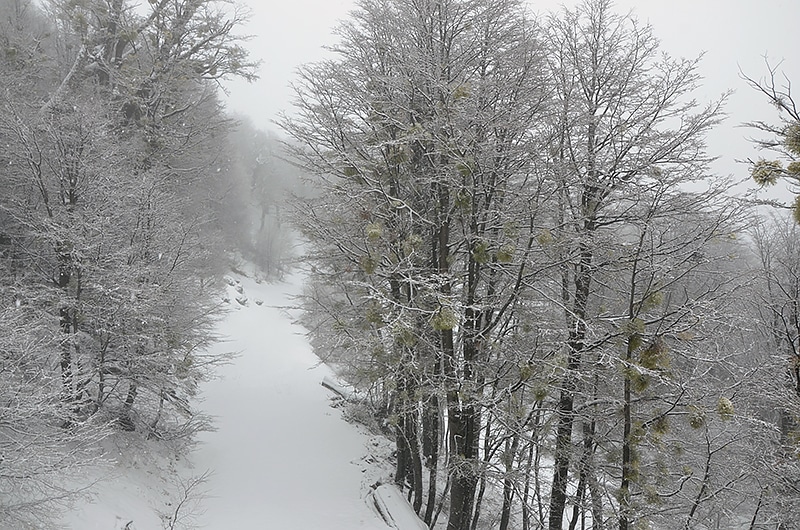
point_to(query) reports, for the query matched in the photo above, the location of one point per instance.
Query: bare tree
(187, 506)
(420, 135)
(625, 123)
(775, 399)
(110, 237)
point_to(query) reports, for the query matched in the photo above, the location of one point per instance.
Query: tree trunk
(569, 386)
(157, 418)
(402, 467)
(464, 478)
(460, 413)
(508, 482)
(67, 376)
(125, 421)
(627, 460)
(482, 490)
(591, 477)
(415, 463)
(526, 492)
(558, 495)
(66, 321)
(464, 418)
(430, 450)
(577, 508)
(101, 373)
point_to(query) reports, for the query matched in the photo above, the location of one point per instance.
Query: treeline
(125, 186)
(564, 319)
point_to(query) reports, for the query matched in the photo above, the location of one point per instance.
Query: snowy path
(282, 457)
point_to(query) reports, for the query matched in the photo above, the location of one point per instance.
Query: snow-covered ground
(281, 457)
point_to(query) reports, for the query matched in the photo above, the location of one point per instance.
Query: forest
(517, 251)
(127, 189)
(521, 255)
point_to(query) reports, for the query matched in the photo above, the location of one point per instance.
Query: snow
(394, 508)
(340, 388)
(281, 456)
(136, 489)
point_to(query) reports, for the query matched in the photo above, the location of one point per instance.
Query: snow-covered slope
(281, 458)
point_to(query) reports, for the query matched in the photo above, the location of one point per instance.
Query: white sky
(733, 34)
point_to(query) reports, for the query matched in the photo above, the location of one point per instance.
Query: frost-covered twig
(189, 503)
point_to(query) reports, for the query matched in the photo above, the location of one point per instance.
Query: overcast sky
(733, 34)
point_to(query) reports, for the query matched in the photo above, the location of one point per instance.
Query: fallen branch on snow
(348, 394)
(394, 509)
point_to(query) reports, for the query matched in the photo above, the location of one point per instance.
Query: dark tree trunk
(508, 482)
(157, 418)
(627, 469)
(569, 386)
(416, 460)
(402, 467)
(71, 388)
(464, 420)
(460, 413)
(589, 446)
(409, 461)
(558, 495)
(526, 492)
(65, 324)
(430, 450)
(67, 376)
(463, 439)
(482, 490)
(577, 508)
(101, 373)
(586, 481)
(125, 421)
